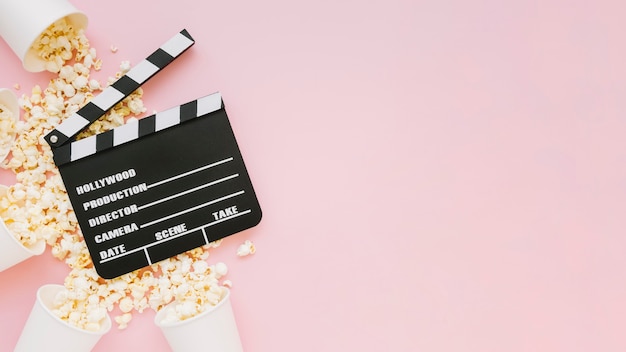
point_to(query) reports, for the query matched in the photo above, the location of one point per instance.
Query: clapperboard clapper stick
(157, 187)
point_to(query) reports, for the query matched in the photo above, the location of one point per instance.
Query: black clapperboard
(151, 189)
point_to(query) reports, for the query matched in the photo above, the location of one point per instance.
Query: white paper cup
(213, 330)
(9, 100)
(46, 332)
(11, 250)
(23, 21)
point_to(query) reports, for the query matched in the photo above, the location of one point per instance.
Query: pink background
(435, 175)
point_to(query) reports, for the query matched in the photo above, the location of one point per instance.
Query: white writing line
(187, 191)
(145, 248)
(190, 172)
(145, 251)
(192, 209)
(206, 239)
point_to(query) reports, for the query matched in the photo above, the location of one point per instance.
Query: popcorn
(8, 129)
(80, 83)
(215, 244)
(197, 293)
(246, 248)
(125, 67)
(37, 208)
(126, 304)
(123, 320)
(220, 270)
(57, 43)
(78, 305)
(94, 85)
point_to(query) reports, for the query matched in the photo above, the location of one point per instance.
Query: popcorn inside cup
(44, 330)
(80, 307)
(198, 291)
(216, 324)
(56, 44)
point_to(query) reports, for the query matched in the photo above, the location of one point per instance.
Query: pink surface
(435, 176)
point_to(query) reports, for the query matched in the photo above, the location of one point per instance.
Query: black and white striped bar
(119, 90)
(134, 130)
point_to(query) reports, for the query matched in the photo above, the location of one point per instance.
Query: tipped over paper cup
(9, 100)
(11, 250)
(23, 21)
(44, 331)
(213, 330)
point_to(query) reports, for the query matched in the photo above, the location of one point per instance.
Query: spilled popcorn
(7, 129)
(246, 248)
(36, 208)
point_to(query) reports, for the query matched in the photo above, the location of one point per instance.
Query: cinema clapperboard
(157, 187)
